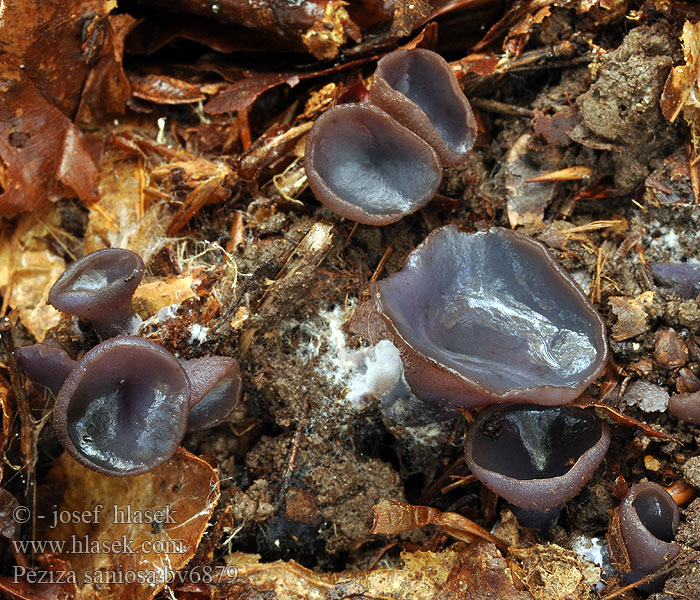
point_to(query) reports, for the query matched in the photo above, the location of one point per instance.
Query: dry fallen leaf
(526, 200)
(475, 572)
(631, 313)
(29, 267)
(551, 572)
(154, 294)
(392, 517)
(146, 527)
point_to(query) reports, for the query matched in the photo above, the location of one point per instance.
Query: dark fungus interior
(123, 409)
(426, 79)
(534, 442)
(364, 166)
(656, 512)
(495, 308)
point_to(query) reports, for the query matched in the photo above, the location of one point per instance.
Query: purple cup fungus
(123, 409)
(536, 457)
(685, 407)
(46, 365)
(215, 383)
(488, 317)
(365, 166)
(681, 278)
(99, 287)
(648, 522)
(419, 90)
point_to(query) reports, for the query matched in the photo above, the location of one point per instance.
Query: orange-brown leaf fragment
(682, 89)
(481, 574)
(396, 517)
(393, 517)
(682, 79)
(325, 37)
(164, 89)
(149, 525)
(632, 316)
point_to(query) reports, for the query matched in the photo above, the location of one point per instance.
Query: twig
(673, 564)
(380, 267)
(28, 433)
(494, 106)
(296, 442)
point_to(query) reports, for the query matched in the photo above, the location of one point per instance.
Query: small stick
(296, 442)
(28, 432)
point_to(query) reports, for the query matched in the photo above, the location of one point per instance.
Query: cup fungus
(419, 90)
(488, 317)
(648, 521)
(215, 390)
(99, 287)
(365, 166)
(686, 407)
(123, 409)
(46, 365)
(536, 457)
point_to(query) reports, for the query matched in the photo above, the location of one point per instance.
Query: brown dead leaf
(121, 218)
(6, 414)
(164, 89)
(481, 574)
(29, 267)
(465, 573)
(39, 146)
(327, 34)
(682, 80)
(148, 525)
(49, 567)
(632, 316)
(107, 88)
(241, 94)
(551, 572)
(620, 418)
(392, 517)
(54, 44)
(553, 129)
(619, 557)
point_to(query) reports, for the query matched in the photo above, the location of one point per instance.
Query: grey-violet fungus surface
(215, 383)
(419, 90)
(365, 166)
(536, 457)
(46, 365)
(488, 317)
(648, 521)
(99, 287)
(123, 409)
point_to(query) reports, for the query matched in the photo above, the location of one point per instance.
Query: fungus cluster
(490, 318)
(125, 406)
(376, 163)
